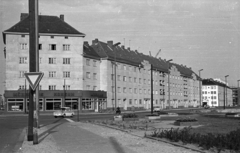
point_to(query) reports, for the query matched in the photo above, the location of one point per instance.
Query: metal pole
(226, 89)
(64, 93)
(33, 67)
(169, 83)
(115, 72)
(224, 96)
(151, 90)
(200, 88)
(25, 103)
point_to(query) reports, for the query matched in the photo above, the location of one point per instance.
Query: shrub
(221, 142)
(131, 115)
(186, 120)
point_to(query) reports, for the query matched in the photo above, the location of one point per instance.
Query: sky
(201, 34)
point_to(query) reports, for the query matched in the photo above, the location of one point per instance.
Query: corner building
(91, 77)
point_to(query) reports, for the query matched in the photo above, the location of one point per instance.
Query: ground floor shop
(94, 101)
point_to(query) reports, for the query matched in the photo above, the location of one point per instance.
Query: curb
(149, 137)
(18, 146)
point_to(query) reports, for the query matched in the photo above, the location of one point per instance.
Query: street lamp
(115, 71)
(200, 87)
(169, 82)
(225, 91)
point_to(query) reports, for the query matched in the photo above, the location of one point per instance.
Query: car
(63, 112)
(157, 109)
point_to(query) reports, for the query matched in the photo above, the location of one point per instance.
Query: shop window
(53, 104)
(88, 104)
(15, 105)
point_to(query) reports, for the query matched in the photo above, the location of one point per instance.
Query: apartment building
(216, 93)
(60, 59)
(92, 77)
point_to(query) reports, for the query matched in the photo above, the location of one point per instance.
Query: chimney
(62, 17)
(85, 43)
(94, 41)
(110, 43)
(23, 16)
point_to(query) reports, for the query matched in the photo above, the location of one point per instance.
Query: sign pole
(33, 65)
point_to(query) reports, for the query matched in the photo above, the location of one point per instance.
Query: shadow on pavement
(51, 123)
(49, 131)
(116, 145)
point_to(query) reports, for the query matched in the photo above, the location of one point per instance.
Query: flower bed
(130, 117)
(186, 122)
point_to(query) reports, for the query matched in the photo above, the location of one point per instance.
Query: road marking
(69, 120)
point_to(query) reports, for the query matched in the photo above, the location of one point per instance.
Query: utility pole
(151, 90)
(200, 88)
(33, 67)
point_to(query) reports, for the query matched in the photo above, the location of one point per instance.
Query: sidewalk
(78, 137)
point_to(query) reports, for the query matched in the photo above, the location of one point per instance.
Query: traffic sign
(34, 78)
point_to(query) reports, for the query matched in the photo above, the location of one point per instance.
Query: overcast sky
(202, 34)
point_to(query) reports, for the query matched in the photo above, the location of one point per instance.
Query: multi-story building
(216, 93)
(92, 77)
(235, 92)
(60, 59)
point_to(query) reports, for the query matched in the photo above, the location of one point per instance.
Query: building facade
(92, 77)
(216, 93)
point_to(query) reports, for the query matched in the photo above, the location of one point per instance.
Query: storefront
(51, 100)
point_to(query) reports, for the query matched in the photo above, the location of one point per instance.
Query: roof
(47, 25)
(213, 82)
(127, 56)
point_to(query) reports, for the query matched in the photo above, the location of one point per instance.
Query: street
(11, 126)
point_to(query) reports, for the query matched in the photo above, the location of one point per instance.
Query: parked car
(64, 112)
(157, 109)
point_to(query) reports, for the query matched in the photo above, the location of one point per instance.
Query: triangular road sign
(34, 78)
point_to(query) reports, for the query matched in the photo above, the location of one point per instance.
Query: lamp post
(200, 88)
(169, 82)
(237, 94)
(226, 87)
(225, 91)
(151, 90)
(115, 72)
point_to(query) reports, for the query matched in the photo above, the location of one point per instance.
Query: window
(140, 101)
(88, 87)
(130, 90)
(88, 62)
(52, 87)
(23, 46)
(140, 80)
(39, 46)
(130, 79)
(67, 87)
(94, 88)
(40, 60)
(135, 80)
(136, 101)
(119, 78)
(112, 76)
(130, 101)
(135, 90)
(21, 87)
(135, 69)
(52, 74)
(22, 60)
(88, 75)
(52, 47)
(113, 88)
(52, 60)
(52, 37)
(66, 60)
(124, 89)
(23, 36)
(94, 63)
(95, 76)
(66, 47)
(66, 74)
(124, 78)
(66, 37)
(119, 89)
(21, 74)
(124, 67)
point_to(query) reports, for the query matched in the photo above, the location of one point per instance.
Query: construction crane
(158, 53)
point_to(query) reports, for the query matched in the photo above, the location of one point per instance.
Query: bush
(186, 120)
(131, 115)
(221, 142)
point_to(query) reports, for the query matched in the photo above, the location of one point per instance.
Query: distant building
(92, 77)
(214, 92)
(235, 95)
